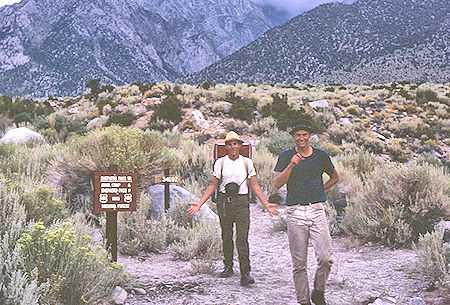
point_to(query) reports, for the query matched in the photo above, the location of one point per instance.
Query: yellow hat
(232, 136)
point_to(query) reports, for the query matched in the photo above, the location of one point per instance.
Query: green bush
(434, 257)
(264, 162)
(78, 272)
(263, 126)
(24, 164)
(241, 109)
(201, 241)
(168, 110)
(41, 205)
(282, 112)
(121, 119)
(16, 286)
(131, 149)
(424, 96)
(277, 141)
(397, 203)
(361, 162)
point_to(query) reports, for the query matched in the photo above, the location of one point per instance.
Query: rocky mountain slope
(50, 47)
(369, 41)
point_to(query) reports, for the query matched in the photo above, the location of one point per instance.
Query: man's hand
(271, 208)
(195, 206)
(296, 159)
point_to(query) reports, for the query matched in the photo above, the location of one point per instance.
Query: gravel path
(359, 275)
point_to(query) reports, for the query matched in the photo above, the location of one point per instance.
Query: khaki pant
(304, 223)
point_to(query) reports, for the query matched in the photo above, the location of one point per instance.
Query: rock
(156, 193)
(380, 302)
(319, 104)
(73, 110)
(21, 135)
(447, 231)
(140, 291)
(417, 301)
(346, 121)
(119, 296)
(199, 119)
(94, 123)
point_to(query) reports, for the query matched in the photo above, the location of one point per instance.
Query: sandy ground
(359, 275)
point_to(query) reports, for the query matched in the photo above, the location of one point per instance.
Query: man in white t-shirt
(233, 174)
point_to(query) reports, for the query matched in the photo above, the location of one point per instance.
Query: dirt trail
(359, 275)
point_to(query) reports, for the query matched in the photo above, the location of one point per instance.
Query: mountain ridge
(333, 43)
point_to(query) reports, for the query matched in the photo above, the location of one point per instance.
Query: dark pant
(236, 211)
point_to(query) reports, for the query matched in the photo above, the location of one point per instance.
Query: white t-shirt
(234, 171)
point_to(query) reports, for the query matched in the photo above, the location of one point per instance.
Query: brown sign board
(115, 191)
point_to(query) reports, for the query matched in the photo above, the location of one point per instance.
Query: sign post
(167, 179)
(114, 192)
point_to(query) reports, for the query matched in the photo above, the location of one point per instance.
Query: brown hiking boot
(227, 271)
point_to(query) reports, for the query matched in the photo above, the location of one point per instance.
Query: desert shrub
(433, 255)
(330, 148)
(137, 232)
(264, 163)
(25, 164)
(411, 128)
(168, 110)
(64, 256)
(131, 149)
(263, 126)
(41, 205)
(241, 109)
(195, 164)
(285, 115)
(397, 203)
(177, 213)
(203, 266)
(277, 141)
(427, 95)
(121, 119)
(361, 162)
(236, 125)
(102, 103)
(371, 143)
(160, 125)
(427, 157)
(62, 124)
(143, 87)
(396, 148)
(16, 286)
(346, 133)
(220, 107)
(201, 241)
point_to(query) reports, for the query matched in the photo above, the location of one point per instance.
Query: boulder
(319, 104)
(21, 135)
(156, 193)
(199, 120)
(119, 296)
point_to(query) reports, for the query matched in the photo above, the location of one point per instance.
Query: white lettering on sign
(109, 206)
(105, 185)
(123, 190)
(123, 206)
(170, 179)
(115, 198)
(108, 178)
(116, 184)
(108, 190)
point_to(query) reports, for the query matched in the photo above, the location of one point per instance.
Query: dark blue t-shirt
(305, 184)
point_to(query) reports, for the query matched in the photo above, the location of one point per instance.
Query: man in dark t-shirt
(301, 168)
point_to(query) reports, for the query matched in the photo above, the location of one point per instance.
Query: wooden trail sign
(114, 192)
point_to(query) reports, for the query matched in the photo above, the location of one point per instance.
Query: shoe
(247, 279)
(227, 271)
(318, 298)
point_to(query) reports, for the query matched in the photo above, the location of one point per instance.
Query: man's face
(301, 138)
(232, 148)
